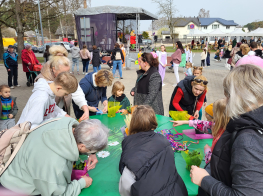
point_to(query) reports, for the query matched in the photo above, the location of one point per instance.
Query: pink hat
(250, 59)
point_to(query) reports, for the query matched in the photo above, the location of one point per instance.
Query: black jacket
(236, 164)
(96, 61)
(150, 157)
(227, 54)
(189, 101)
(114, 54)
(258, 53)
(148, 90)
(10, 61)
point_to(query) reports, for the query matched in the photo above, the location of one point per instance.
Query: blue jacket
(93, 94)
(9, 61)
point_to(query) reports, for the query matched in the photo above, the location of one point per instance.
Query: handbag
(229, 61)
(37, 67)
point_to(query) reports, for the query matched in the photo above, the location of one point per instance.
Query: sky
(241, 11)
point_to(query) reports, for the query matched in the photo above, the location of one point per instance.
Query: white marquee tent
(238, 32)
(197, 33)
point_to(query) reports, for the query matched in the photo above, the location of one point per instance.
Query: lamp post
(40, 21)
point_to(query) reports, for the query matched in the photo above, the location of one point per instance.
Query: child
(118, 96)
(8, 108)
(186, 50)
(221, 54)
(198, 71)
(217, 53)
(41, 105)
(146, 158)
(208, 58)
(189, 69)
(203, 58)
(216, 123)
(190, 56)
(139, 57)
(162, 62)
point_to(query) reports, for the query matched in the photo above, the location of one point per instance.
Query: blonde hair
(189, 64)
(67, 81)
(58, 57)
(104, 77)
(219, 116)
(245, 49)
(243, 87)
(201, 77)
(143, 120)
(230, 47)
(117, 86)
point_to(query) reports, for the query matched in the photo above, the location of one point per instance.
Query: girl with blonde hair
(59, 62)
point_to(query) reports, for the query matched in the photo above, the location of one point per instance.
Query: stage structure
(99, 25)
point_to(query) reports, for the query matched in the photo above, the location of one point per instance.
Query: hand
(29, 63)
(177, 123)
(9, 70)
(10, 116)
(197, 174)
(105, 109)
(205, 104)
(92, 161)
(88, 181)
(132, 93)
(85, 116)
(67, 115)
(196, 114)
(93, 109)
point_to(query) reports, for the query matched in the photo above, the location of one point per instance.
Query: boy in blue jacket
(10, 61)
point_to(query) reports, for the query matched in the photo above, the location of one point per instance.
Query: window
(227, 27)
(215, 26)
(188, 26)
(205, 27)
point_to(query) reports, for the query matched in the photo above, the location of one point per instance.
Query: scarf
(119, 99)
(7, 105)
(32, 57)
(216, 138)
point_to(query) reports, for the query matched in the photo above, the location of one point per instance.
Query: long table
(106, 175)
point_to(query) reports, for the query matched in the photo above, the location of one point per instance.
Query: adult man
(44, 163)
(252, 40)
(223, 43)
(75, 52)
(219, 43)
(10, 61)
(255, 50)
(202, 42)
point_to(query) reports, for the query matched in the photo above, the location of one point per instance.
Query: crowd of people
(44, 163)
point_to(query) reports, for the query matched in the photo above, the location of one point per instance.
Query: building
(69, 31)
(183, 26)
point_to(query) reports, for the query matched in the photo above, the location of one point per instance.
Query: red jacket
(26, 59)
(133, 39)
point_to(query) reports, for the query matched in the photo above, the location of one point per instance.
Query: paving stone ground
(215, 75)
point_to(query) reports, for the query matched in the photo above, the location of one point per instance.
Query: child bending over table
(216, 123)
(147, 163)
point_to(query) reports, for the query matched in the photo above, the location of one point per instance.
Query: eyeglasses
(199, 81)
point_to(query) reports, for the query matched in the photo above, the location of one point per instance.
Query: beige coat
(232, 54)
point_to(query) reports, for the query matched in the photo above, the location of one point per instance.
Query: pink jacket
(85, 55)
(177, 56)
(201, 125)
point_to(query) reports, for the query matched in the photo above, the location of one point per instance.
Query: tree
(145, 35)
(159, 32)
(157, 24)
(167, 10)
(203, 13)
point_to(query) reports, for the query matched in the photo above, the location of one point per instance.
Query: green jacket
(14, 109)
(183, 62)
(44, 163)
(125, 102)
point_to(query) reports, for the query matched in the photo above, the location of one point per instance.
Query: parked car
(66, 44)
(35, 49)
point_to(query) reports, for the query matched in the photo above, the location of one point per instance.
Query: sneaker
(121, 78)
(83, 73)
(12, 87)
(163, 85)
(170, 67)
(18, 85)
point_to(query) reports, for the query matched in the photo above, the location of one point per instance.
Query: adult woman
(29, 60)
(234, 42)
(146, 158)
(237, 158)
(233, 53)
(189, 95)
(148, 87)
(96, 59)
(239, 54)
(177, 58)
(94, 86)
(117, 58)
(227, 52)
(58, 63)
(85, 56)
(46, 53)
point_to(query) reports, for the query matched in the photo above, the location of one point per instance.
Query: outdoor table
(106, 175)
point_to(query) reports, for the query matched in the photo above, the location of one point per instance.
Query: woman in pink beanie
(250, 59)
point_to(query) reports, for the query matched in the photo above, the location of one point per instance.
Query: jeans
(96, 69)
(176, 66)
(202, 63)
(75, 62)
(119, 65)
(85, 66)
(12, 74)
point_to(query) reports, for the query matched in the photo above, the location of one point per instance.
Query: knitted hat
(209, 110)
(250, 59)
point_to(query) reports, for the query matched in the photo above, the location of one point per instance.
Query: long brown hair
(143, 120)
(220, 118)
(148, 57)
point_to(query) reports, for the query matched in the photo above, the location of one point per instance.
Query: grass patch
(41, 59)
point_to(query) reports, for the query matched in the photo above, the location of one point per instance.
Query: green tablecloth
(106, 175)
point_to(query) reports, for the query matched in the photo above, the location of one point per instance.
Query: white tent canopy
(218, 33)
(238, 32)
(257, 32)
(197, 33)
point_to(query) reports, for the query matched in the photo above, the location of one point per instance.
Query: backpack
(118, 56)
(11, 141)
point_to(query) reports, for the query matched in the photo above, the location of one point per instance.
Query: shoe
(18, 85)
(12, 87)
(78, 73)
(83, 73)
(163, 85)
(170, 67)
(121, 77)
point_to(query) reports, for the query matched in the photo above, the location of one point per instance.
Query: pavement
(215, 75)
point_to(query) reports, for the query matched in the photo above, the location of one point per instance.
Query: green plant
(145, 35)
